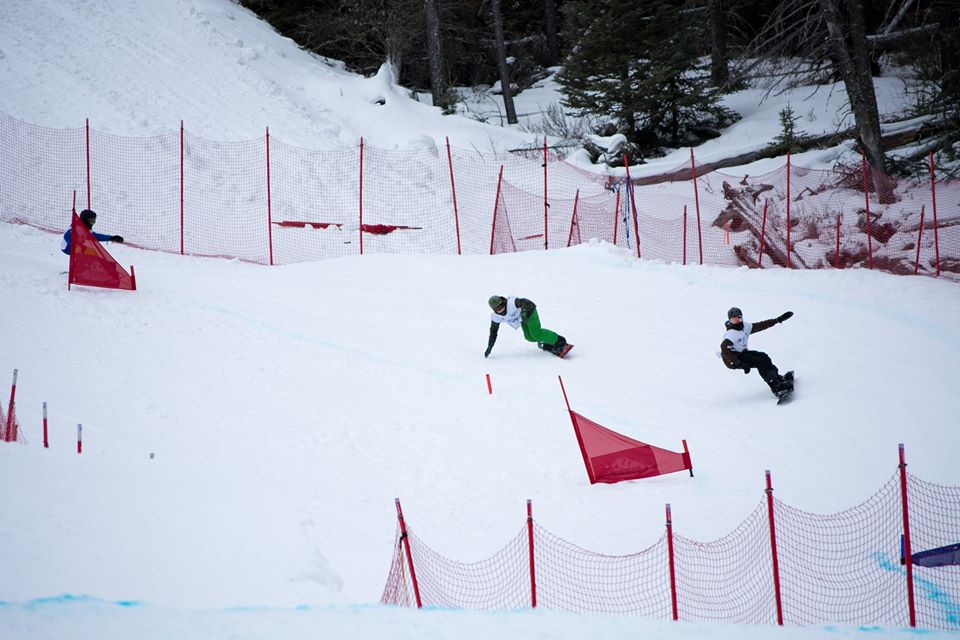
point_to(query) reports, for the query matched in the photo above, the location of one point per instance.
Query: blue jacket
(65, 244)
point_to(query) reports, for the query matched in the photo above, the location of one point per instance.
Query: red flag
(613, 457)
(91, 265)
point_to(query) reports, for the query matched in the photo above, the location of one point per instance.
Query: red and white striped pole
(46, 443)
(673, 577)
(79, 438)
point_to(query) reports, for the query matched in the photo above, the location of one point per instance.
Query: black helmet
(496, 301)
(88, 217)
(734, 311)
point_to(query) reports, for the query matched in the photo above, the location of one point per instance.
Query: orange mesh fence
(179, 193)
(841, 568)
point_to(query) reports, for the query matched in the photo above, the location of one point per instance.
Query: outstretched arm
(766, 324)
(494, 328)
(526, 308)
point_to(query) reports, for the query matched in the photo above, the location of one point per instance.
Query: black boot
(558, 346)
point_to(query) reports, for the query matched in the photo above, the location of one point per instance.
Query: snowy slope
(286, 407)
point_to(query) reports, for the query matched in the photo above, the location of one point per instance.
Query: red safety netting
(840, 568)
(269, 202)
(10, 430)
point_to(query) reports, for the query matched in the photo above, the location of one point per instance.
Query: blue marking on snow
(924, 588)
(66, 599)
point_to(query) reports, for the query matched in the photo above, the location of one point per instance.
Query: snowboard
(785, 394)
(563, 352)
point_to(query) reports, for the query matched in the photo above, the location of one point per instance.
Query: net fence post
(573, 218)
(789, 261)
(269, 209)
(181, 187)
(763, 231)
(546, 234)
(453, 190)
(633, 205)
(836, 257)
(9, 431)
(406, 546)
(360, 230)
(916, 263)
(936, 232)
(696, 202)
(496, 203)
(908, 558)
(86, 128)
(684, 235)
(533, 569)
(773, 550)
(670, 557)
(46, 443)
(866, 200)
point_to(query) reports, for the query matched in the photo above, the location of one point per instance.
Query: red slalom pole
(684, 235)
(361, 196)
(453, 189)
(936, 232)
(181, 187)
(46, 443)
(406, 545)
(79, 438)
(673, 577)
(87, 130)
(773, 550)
(269, 210)
(489, 385)
(533, 572)
(916, 264)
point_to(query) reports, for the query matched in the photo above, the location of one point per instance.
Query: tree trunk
(501, 53)
(854, 63)
(719, 70)
(550, 30)
(437, 88)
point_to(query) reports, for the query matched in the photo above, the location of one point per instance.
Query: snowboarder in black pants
(736, 355)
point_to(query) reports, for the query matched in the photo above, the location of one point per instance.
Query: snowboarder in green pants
(522, 313)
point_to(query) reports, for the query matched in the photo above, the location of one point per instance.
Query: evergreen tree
(637, 63)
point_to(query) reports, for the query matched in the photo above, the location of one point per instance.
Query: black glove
(116, 238)
(487, 352)
(745, 369)
(783, 317)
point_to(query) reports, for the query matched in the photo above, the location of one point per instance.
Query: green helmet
(496, 301)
